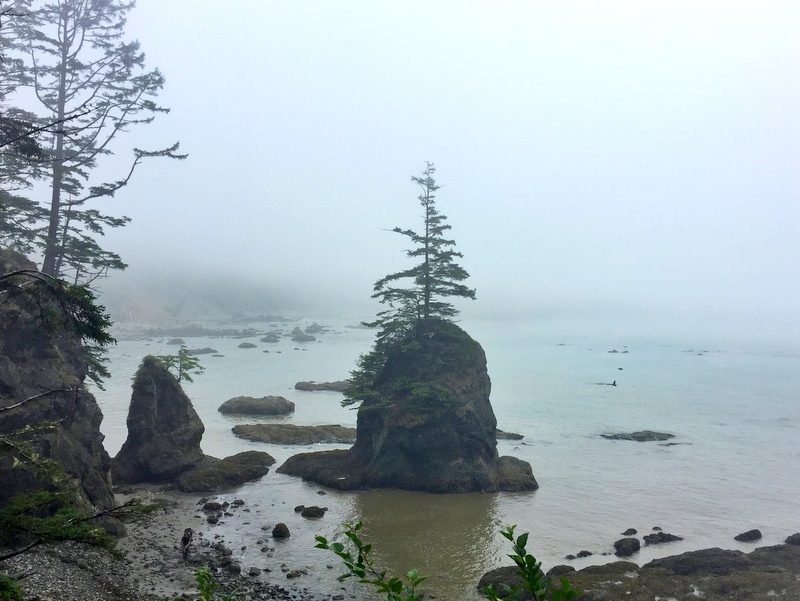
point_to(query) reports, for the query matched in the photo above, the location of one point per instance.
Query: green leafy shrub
(205, 586)
(396, 589)
(9, 591)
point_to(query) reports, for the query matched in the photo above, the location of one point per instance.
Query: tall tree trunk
(51, 244)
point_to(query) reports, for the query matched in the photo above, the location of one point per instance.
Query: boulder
(202, 351)
(292, 434)
(793, 539)
(313, 512)
(176, 341)
(271, 338)
(643, 436)
(38, 361)
(214, 475)
(337, 386)
(629, 532)
(280, 530)
(430, 427)
(749, 536)
(625, 547)
(247, 345)
(164, 430)
(247, 405)
(660, 537)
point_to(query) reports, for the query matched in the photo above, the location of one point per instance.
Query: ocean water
(734, 409)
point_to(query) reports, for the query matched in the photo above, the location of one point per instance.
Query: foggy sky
(622, 157)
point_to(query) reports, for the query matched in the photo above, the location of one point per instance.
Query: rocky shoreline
(153, 569)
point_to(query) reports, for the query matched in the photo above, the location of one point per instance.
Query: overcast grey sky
(618, 155)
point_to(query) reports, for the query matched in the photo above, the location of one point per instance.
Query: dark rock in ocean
(280, 530)
(164, 430)
(793, 539)
(314, 328)
(629, 532)
(212, 506)
(430, 427)
(163, 444)
(582, 554)
(337, 386)
(500, 435)
(214, 475)
(292, 434)
(625, 547)
(660, 537)
(176, 341)
(271, 338)
(720, 562)
(299, 508)
(643, 436)
(749, 536)
(313, 512)
(299, 335)
(657, 528)
(247, 405)
(247, 345)
(38, 360)
(202, 351)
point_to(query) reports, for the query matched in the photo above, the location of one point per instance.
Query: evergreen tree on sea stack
(414, 294)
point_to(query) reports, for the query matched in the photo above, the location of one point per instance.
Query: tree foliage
(90, 85)
(183, 366)
(62, 307)
(414, 294)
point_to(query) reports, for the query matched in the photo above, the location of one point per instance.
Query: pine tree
(435, 277)
(91, 85)
(413, 294)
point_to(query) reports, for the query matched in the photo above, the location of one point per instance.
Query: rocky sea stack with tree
(425, 421)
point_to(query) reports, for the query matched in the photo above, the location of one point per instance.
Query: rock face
(164, 430)
(164, 434)
(247, 405)
(430, 428)
(292, 434)
(36, 361)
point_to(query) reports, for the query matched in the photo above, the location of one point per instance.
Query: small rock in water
(629, 532)
(749, 536)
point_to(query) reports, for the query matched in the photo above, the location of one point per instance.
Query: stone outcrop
(430, 427)
(164, 434)
(299, 335)
(292, 434)
(164, 430)
(247, 405)
(37, 360)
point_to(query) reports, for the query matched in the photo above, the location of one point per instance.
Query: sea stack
(430, 427)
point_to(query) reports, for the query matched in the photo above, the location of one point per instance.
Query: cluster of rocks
(711, 574)
(295, 435)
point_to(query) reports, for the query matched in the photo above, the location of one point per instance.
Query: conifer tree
(435, 277)
(416, 293)
(92, 85)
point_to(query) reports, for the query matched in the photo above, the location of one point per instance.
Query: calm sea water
(734, 410)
